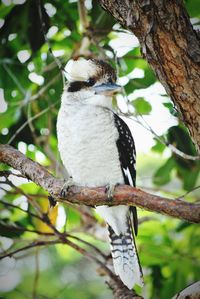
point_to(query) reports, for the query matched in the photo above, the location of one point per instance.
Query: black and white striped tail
(125, 258)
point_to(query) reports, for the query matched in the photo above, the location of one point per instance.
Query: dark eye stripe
(75, 86)
(78, 85)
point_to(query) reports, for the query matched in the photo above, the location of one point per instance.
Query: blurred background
(36, 40)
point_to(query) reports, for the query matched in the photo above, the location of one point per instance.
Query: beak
(107, 88)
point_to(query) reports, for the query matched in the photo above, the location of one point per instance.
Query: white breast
(87, 144)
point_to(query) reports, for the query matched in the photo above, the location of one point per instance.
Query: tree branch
(31, 245)
(124, 195)
(120, 291)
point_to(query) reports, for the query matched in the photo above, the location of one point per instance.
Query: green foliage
(163, 174)
(142, 106)
(193, 8)
(31, 85)
(186, 170)
(158, 147)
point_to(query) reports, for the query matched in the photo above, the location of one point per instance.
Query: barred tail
(125, 258)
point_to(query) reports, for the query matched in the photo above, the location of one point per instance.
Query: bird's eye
(110, 80)
(90, 82)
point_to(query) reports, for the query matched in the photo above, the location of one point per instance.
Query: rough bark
(122, 292)
(124, 194)
(172, 48)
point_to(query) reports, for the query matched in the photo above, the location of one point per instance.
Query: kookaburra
(97, 149)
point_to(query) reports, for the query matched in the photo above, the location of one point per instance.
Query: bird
(97, 149)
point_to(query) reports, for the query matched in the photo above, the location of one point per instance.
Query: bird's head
(90, 81)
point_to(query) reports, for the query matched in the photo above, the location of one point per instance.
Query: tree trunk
(172, 48)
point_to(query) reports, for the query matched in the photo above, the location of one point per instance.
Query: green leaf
(9, 117)
(5, 10)
(10, 230)
(188, 176)
(142, 106)
(193, 8)
(182, 225)
(163, 174)
(179, 137)
(158, 147)
(187, 170)
(171, 108)
(102, 19)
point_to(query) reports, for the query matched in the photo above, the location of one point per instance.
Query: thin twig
(37, 273)
(7, 173)
(172, 147)
(41, 91)
(88, 244)
(179, 153)
(161, 140)
(93, 258)
(69, 243)
(7, 204)
(188, 192)
(48, 223)
(31, 119)
(43, 27)
(83, 15)
(38, 195)
(29, 246)
(30, 199)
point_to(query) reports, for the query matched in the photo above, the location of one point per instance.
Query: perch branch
(124, 195)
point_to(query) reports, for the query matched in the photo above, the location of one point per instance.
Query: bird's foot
(52, 201)
(110, 189)
(69, 183)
